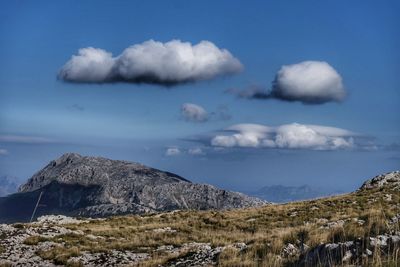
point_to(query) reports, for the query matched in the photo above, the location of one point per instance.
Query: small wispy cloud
(176, 151)
(221, 113)
(194, 113)
(3, 152)
(171, 63)
(196, 151)
(173, 151)
(76, 107)
(25, 139)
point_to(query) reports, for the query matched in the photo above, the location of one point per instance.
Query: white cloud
(90, 65)
(193, 112)
(169, 63)
(196, 113)
(172, 151)
(196, 151)
(247, 135)
(319, 138)
(288, 136)
(311, 82)
(175, 151)
(3, 152)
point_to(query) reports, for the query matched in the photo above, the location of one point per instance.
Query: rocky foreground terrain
(356, 229)
(76, 185)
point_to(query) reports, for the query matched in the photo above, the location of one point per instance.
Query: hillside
(360, 228)
(78, 185)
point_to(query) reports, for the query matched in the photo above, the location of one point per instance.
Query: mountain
(93, 186)
(282, 194)
(7, 185)
(361, 228)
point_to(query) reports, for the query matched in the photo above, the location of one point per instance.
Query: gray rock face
(96, 187)
(16, 252)
(193, 196)
(350, 252)
(116, 176)
(391, 179)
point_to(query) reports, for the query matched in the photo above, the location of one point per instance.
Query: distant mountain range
(93, 186)
(8, 185)
(282, 194)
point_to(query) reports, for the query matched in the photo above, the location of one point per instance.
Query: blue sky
(42, 117)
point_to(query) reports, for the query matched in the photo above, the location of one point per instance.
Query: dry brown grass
(34, 240)
(265, 230)
(59, 255)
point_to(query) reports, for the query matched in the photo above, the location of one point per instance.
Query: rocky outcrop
(76, 185)
(350, 252)
(16, 251)
(391, 179)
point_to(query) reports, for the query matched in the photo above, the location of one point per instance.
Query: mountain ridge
(73, 168)
(78, 185)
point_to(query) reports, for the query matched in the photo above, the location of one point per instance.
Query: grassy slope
(265, 229)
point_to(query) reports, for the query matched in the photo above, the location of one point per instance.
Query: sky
(235, 94)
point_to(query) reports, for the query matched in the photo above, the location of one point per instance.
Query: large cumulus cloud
(169, 63)
(309, 82)
(288, 136)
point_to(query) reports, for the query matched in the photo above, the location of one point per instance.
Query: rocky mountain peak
(390, 179)
(67, 158)
(94, 186)
(72, 168)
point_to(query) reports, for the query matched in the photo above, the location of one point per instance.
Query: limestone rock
(391, 179)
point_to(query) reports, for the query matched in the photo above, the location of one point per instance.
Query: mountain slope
(355, 229)
(92, 186)
(116, 176)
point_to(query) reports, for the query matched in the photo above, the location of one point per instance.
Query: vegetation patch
(34, 240)
(59, 255)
